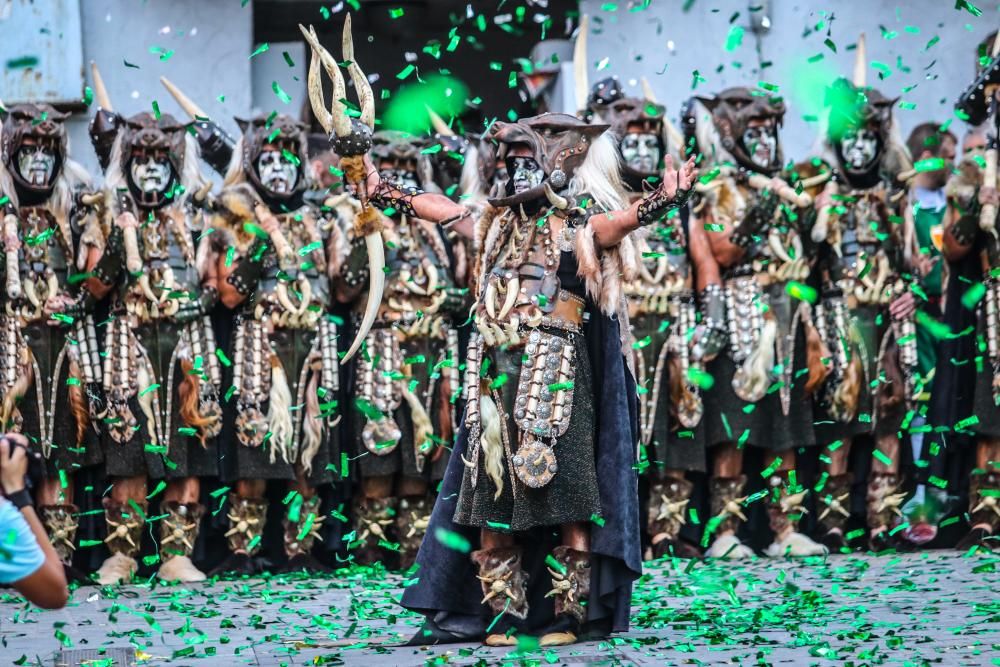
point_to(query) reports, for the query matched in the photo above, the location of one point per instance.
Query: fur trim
(279, 416)
(816, 356)
(312, 423)
(491, 441)
(422, 428)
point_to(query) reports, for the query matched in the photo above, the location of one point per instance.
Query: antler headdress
(352, 138)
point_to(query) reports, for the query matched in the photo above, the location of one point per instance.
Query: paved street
(928, 608)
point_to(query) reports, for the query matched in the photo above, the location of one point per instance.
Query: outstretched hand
(678, 180)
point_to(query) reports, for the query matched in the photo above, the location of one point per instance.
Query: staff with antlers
(351, 140)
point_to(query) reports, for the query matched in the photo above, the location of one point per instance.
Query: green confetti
(260, 49)
(452, 540)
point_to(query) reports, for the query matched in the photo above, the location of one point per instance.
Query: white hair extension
(491, 441)
(279, 415)
(471, 182)
(312, 424)
(191, 177)
(600, 175)
(114, 175)
(234, 172)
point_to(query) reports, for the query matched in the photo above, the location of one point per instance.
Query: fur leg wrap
(124, 527)
(60, 525)
(372, 519)
(835, 499)
(984, 500)
(179, 528)
(668, 500)
(246, 523)
(411, 524)
(784, 508)
(571, 583)
(884, 499)
(503, 581)
(726, 501)
(302, 530)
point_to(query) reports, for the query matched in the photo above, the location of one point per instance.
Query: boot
(178, 533)
(301, 532)
(571, 590)
(372, 516)
(246, 524)
(835, 499)
(411, 523)
(60, 525)
(984, 512)
(123, 540)
(668, 501)
(884, 499)
(784, 511)
(503, 583)
(727, 512)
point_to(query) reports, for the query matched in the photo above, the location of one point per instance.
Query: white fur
(600, 175)
(279, 415)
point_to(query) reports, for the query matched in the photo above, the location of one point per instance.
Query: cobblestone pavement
(929, 608)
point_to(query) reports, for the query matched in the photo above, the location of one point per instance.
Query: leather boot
(247, 517)
(302, 527)
(984, 510)
(372, 519)
(784, 510)
(668, 501)
(412, 518)
(835, 499)
(178, 533)
(884, 499)
(123, 540)
(726, 499)
(571, 591)
(504, 593)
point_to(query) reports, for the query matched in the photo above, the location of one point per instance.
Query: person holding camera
(28, 561)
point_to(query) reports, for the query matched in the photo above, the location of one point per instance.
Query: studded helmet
(40, 122)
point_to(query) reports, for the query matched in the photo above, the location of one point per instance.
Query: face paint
(277, 173)
(151, 173)
(761, 144)
(36, 164)
(859, 148)
(527, 174)
(641, 151)
(402, 177)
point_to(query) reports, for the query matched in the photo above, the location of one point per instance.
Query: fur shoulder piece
(233, 207)
(963, 184)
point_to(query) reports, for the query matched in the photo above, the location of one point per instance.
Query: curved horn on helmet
(183, 100)
(440, 126)
(334, 120)
(674, 135)
(100, 92)
(647, 90)
(860, 62)
(580, 64)
(366, 98)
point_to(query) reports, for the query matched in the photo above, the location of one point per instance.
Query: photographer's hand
(13, 463)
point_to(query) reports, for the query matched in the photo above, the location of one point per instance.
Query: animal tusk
(11, 244)
(491, 299)
(100, 92)
(559, 202)
(376, 287)
(339, 123)
(203, 191)
(513, 287)
(192, 109)
(366, 99)
(438, 123)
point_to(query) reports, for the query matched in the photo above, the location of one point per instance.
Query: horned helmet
(860, 124)
(397, 155)
(747, 122)
(275, 155)
(559, 144)
(33, 146)
(152, 157)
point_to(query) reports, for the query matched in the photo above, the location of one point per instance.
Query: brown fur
(816, 354)
(680, 392)
(20, 387)
(188, 394)
(891, 392)
(77, 403)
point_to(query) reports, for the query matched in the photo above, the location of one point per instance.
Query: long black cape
(445, 587)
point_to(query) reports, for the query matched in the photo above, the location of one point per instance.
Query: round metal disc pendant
(557, 178)
(381, 437)
(535, 464)
(251, 427)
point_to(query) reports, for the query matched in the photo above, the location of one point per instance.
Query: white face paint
(641, 151)
(859, 148)
(36, 164)
(761, 144)
(277, 173)
(527, 174)
(151, 173)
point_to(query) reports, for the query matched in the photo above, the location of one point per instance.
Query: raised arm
(611, 227)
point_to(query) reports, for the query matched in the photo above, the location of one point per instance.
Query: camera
(36, 470)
